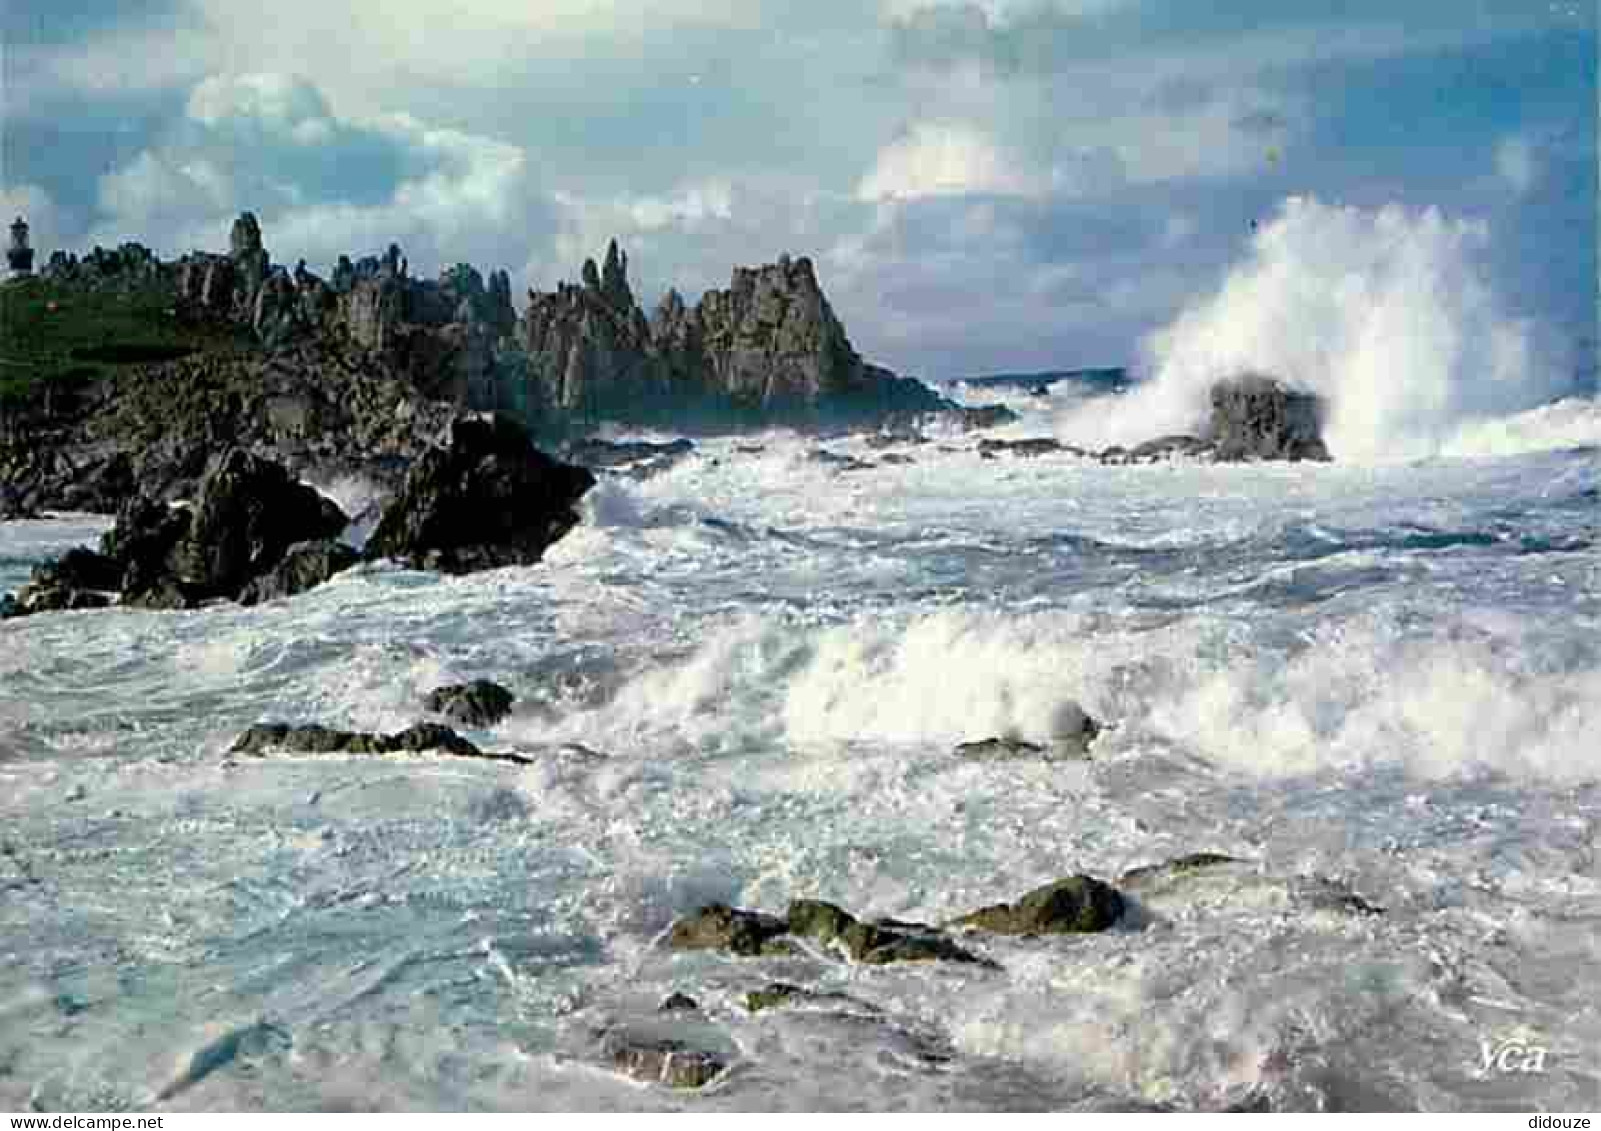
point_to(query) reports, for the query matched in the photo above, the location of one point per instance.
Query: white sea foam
(1387, 313)
(1382, 674)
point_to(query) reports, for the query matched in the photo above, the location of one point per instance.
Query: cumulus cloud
(1023, 181)
(1517, 163)
(322, 184)
(943, 158)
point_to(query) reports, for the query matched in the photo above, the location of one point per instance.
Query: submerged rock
(975, 418)
(674, 1060)
(777, 995)
(1076, 905)
(481, 703)
(484, 499)
(1213, 880)
(837, 460)
(1152, 874)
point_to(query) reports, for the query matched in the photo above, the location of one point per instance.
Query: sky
(983, 185)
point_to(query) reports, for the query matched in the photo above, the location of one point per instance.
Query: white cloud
(1517, 163)
(944, 158)
(270, 143)
(1004, 11)
(282, 102)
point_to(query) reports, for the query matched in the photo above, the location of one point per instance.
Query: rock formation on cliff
(769, 349)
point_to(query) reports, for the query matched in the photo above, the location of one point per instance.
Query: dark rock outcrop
(875, 944)
(230, 544)
(1076, 905)
(998, 749)
(1256, 417)
(1033, 446)
(79, 579)
(311, 738)
(249, 513)
(753, 933)
(305, 565)
(685, 1057)
(733, 930)
(677, 1002)
(481, 703)
(484, 499)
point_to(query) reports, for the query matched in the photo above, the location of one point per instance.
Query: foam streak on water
(1389, 676)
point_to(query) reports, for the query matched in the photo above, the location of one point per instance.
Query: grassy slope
(50, 333)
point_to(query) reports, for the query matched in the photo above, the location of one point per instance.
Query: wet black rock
(1075, 905)
(311, 738)
(875, 944)
(305, 565)
(249, 513)
(1255, 417)
(481, 703)
(676, 1002)
(484, 499)
(999, 749)
(229, 544)
(1033, 446)
(720, 927)
(1162, 448)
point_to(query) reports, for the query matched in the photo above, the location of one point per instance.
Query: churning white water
(1369, 677)
(1387, 314)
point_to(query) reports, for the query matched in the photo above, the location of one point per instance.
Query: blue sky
(984, 185)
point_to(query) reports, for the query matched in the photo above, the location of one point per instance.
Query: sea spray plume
(1386, 313)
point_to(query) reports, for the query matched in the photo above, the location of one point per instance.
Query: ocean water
(1379, 676)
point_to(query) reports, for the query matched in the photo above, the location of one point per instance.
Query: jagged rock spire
(245, 237)
(614, 278)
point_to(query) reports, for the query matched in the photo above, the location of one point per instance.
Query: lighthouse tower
(19, 256)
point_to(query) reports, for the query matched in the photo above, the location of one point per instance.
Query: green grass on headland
(53, 334)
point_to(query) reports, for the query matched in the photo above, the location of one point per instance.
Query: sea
(743, 680)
